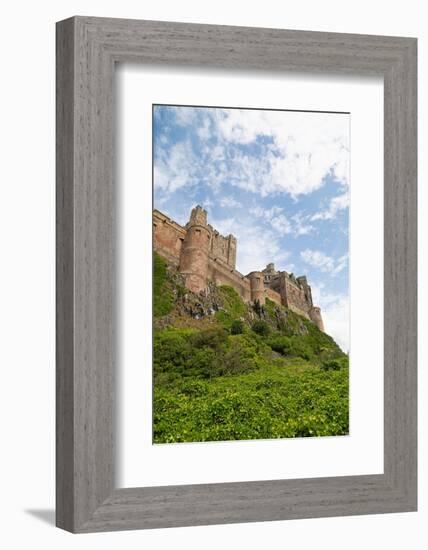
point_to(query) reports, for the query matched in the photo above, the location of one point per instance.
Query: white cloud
(281, 224)
(341, 263)
(300, 225)
(306, 147)
(324, 263)
(341, 202)
(298, 151)
(266, 213)
(336, 320)
(204, 130)
(185, 116)
(206, 203)
(229, 202)
(296, 225)
(318, 259)
(177, 168)
(335, 314)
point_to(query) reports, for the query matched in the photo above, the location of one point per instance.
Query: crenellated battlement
(201, 254)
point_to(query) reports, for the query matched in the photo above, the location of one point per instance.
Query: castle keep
(201, 254)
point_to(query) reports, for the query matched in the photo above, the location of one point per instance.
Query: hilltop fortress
(201, 254)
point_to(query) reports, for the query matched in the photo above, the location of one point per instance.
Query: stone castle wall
(168, 237)
(223, 248)
(222, 274)
(202, 254)
(294, 296)
(274, 296)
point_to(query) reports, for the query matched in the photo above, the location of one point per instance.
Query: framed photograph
(236, 274)
(234, 355)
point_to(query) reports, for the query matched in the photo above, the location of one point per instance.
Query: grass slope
(240, 372)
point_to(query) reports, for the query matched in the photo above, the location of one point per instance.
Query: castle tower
(316, 318)
(257, 287)
(194, 252)
(307, 289)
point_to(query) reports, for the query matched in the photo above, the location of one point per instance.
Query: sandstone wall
(168, 237)
(273, 295)
(222, 274)
(299, 311)
(293, 296)
(223, 247)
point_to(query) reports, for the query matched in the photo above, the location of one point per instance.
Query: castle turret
(257, 287)
(194, 252)
(316, 318)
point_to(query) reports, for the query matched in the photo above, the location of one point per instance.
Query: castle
(201, 254)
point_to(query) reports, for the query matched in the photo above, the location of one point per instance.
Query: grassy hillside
(227, 370)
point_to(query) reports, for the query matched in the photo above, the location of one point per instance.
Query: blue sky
(277, 180)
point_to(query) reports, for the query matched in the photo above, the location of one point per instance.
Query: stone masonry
(201, 254)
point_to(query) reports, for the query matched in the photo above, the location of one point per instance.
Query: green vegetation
(261, 327)
(233, 306)
(293, 400)
(184, 354)
(240, 372)
(237, 327)
(163, 298)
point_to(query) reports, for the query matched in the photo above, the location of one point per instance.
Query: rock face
(190, 309)
(204, 304)
(203, 256)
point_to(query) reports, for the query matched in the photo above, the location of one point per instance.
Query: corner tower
(316, 318)
(257, 287)
(194, 252)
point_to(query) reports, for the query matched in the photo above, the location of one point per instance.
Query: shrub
(261, 328)
(204, 361)
(301, 347)
(237, 327)
(171, 350)
(213, 338)
(280, 344)
(240, 357)
(333, 364)
(194, 388)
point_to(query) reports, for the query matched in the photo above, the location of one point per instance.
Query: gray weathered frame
(87, 50)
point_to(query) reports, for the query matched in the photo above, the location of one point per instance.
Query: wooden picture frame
(87, 50)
